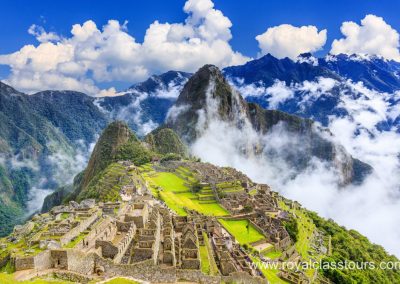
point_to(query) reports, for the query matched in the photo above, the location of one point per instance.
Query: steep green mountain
(116, 143)
(74, 113)
(165, 141)
(43, 142)
(208, 99)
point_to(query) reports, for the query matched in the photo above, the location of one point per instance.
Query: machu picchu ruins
(144, 236)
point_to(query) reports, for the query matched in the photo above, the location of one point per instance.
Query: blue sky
(249, 18)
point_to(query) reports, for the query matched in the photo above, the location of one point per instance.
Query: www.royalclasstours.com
(325, 265)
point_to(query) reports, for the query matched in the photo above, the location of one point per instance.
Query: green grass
(269, 273)
(176, 194)
(205, 262)
(213, 266)
(306, 228)
(238, 229)
(170, 182)
(79, 238)
(273, 254)
(9, 279)
(304, 238)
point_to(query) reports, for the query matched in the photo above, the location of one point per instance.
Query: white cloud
(279, 93)
(91, 54)
(290, 41)
(110, 92)
(41, 35)
(374, 37)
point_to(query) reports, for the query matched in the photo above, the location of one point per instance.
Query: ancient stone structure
(141, 237)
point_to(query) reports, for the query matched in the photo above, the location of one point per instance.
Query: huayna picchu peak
(208, 103)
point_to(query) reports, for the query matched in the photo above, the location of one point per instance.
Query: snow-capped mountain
(365, 89)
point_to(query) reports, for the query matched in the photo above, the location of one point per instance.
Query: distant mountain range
(46, 138)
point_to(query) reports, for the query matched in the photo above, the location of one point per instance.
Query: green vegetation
(243, 231)
(166, 141)
(205, 262)
(273, 254)
(175, 192)
(9, 279)
(302, 229)
(133, 151)
(212, 265)
(75, 241)
(291, 227)
(269, 273)
(106, 185)
(351, 246)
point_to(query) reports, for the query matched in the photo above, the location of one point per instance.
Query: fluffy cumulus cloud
(290, 41)
(92, 54)
(374, 37)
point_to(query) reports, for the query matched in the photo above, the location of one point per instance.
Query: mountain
(268, 69)
(166, 141)
(208, 102)
(144, 105)
(47, 137)
(334, 86)
(375, 72)
(116, 143)
(226, 227)
(29, 152)
(74, 113)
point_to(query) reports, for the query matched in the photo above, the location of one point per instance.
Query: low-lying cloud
(371, 208)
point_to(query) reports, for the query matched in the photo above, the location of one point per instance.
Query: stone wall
(77, 262)
(59, 259)
(43, 260)
(23, 263)
(71, 277)
(83, 225)
(80, 262)
(4, 260)
(108, 250)
(98, 232)
(123, 245)
(196, 276)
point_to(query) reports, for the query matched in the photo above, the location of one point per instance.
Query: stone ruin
(143, 238)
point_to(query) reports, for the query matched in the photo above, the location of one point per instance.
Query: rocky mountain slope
(207, 99)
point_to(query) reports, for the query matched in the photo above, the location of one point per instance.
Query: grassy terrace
(238, 229)
(175, 192)
(9, 279)
(109, 184)
(305, 235)
(174, 189)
